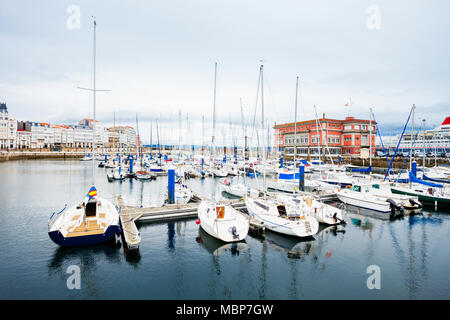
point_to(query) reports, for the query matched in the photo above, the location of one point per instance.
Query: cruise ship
(437, 140)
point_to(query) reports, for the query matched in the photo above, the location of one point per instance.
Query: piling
(301, 179)
(171, 185)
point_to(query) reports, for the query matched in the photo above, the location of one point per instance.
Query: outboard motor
(234, 232)
(419, 205)
(396, 210)
(337, 219)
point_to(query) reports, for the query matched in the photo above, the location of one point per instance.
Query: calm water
(177, 261)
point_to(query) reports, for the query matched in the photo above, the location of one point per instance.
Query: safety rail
(54, 216)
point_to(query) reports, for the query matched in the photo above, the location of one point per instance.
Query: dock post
(301, 177)
(281, 162)
(203, 160)
(171, 185)
(131, 164)
(414, 168)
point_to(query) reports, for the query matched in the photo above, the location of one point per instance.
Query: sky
(157, 57)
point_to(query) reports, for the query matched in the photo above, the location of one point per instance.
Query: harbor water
(179, 261)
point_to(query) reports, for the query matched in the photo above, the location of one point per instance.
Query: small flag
(346, 104)
(92, 192)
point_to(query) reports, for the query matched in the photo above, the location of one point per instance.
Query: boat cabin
(90, 210)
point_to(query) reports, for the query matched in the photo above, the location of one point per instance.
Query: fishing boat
(95, 220)
(223, 222)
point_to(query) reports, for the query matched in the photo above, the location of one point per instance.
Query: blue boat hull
(59, 239)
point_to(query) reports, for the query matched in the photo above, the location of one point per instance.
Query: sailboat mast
(295, 122)
(370, 140)
(262, 126)
(93, 122)
(214, 114)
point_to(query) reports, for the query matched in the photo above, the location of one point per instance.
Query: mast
(179, 136)
(214, 113)
(93, 122)
(412, 137)
(262, 126)
(370, 140)
(203, 133)
(295, 123)
(423, 156)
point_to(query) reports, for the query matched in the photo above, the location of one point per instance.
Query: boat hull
(62, 241)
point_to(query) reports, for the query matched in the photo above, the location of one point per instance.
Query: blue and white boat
(93, 221)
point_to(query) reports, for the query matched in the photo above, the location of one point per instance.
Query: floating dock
(129, 215)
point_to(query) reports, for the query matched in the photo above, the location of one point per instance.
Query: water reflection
(217, 247)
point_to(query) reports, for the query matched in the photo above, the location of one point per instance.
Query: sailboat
(222, 222)
(94, 220)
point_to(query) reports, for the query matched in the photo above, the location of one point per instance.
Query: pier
(129, 215)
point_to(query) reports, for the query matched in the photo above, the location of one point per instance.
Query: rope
(398, 144)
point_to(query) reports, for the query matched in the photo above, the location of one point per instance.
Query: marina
(229, 151)
(177, 260)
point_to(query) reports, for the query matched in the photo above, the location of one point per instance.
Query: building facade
(313, 137)
(8, 129)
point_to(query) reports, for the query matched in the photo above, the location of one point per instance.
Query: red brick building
(343, 137)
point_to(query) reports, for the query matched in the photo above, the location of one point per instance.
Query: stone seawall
(7, 156)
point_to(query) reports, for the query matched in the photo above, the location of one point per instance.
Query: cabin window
(356, 188)
(376, 186)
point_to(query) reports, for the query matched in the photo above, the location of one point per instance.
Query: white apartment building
(8, 129)
(23, 139)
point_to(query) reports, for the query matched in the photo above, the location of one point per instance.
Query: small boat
(223, 222)
(182, 194)
(145, 175)
(361, 195)
(324, 213)
(237, 189)
(282, 217)
(219, 172)
(116, 175)
(86, 157)
(93, 221)
(409, 203)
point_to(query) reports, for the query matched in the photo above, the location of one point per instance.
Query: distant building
(343, 137)
(8, 129)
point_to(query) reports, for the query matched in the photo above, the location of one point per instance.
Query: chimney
(324, 115)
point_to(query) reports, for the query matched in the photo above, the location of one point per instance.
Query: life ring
(348, 187)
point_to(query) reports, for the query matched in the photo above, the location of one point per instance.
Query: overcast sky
(157, 57)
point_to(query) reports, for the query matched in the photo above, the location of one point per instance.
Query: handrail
(53, 217)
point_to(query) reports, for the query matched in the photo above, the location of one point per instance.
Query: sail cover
(413, 178)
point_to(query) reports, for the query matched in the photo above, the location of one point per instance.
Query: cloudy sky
(157, 57)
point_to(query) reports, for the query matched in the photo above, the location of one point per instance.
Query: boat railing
(54, 216)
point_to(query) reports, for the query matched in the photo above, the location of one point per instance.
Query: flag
(92, 192)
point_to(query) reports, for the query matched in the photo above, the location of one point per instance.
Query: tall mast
(93, 122)
(214, 114)
(295, 122)
(203, 133)
(412, 136)
(370, 140)
(179, 136)
(262, 126)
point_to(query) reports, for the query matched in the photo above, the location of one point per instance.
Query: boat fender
(197, 221)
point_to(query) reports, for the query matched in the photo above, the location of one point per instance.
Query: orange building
(343, 137)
